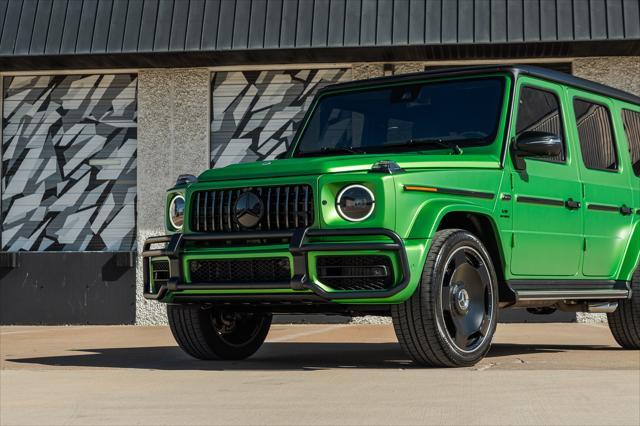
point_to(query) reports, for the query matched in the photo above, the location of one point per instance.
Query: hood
(342, 164)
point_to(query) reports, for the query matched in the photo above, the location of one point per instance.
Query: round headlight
(355, 203)
(176, 211)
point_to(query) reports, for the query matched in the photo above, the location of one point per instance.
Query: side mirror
(536, 144)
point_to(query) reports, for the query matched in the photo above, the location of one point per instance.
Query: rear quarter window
(631, 120)
(596, 135)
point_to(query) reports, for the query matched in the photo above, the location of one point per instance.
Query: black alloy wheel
(207, 333)
(450, 319)
(466, 298)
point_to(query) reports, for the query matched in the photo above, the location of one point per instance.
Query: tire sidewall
(452, 243)
(228, 351)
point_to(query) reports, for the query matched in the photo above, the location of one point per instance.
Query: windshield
(437, 115)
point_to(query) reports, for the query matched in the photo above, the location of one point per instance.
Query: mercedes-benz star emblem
(248, 209)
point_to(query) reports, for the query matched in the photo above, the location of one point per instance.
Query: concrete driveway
(314, 374)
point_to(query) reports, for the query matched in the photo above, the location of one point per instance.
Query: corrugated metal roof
(81, 27)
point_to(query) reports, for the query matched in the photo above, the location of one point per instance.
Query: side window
(596, 136)
(539, 110)
(631, 120)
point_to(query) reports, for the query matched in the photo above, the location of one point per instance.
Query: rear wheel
(207, 333)
(624, 322)
(450, 319)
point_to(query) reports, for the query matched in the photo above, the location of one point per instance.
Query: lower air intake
(240, 271)
(355, 273)
(160, 269)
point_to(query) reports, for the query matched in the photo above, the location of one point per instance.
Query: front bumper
(299, 247)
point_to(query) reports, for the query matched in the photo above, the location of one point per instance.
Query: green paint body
(535, 241)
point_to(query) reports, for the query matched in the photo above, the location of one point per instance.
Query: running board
(538, 290)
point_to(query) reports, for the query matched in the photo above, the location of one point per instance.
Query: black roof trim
(515, 70)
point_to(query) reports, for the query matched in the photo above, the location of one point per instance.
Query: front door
(607, 191)
(547, 218)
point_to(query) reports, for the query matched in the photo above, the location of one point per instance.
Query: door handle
(572, 204)
(626, 211)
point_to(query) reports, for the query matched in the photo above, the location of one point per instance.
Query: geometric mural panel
(255, 114)
(69, 163)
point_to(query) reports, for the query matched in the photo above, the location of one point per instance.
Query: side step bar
(534, 290)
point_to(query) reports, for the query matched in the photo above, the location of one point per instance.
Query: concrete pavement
(314, 374)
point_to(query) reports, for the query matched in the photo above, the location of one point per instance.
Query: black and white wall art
(69, 163)
(254, 114)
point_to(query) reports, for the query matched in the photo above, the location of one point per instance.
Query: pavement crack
(485, 366)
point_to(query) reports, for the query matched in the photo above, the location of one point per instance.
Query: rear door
(605, 176)
(631, 124)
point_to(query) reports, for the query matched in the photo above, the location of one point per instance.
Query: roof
(543, 73)
(238, 30)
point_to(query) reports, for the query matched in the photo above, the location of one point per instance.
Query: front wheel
(451, 318)
(209, 334)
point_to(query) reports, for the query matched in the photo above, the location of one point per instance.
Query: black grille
(351, 267)
(245, 271)
(284, 207)
(161, 274)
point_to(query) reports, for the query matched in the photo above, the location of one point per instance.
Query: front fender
(431, 212)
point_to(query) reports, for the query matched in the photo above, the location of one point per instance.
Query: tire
(208, 334)
(624, 322)
(432, 326)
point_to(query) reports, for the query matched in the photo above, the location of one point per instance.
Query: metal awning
(92, 33)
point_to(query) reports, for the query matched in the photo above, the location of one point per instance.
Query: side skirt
(557, 290)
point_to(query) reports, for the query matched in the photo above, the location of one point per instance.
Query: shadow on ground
(276, 356)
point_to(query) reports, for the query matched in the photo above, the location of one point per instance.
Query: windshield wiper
(331, 150)
(455, 149)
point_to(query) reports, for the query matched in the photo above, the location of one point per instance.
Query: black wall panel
(113, 26)
(68, 288)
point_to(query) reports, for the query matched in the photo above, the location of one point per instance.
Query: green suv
(436, 198)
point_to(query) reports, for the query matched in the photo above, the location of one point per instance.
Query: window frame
(624, 111)
(614, 139)
(563, 127)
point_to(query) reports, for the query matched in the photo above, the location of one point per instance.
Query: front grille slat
(197, 203)
(206, 206)
(306, 206)
(269, 208)
(278, 208)
(284, 207)
(235, 223)
(220, 210)
(296, 207)
(213, 211)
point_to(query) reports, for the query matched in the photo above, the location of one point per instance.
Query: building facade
(105, 102)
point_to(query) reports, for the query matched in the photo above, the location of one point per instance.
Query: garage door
(69, 163)
(255, 113)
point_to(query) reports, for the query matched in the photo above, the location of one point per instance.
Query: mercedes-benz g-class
(436, 198)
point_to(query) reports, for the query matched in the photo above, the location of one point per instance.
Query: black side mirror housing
(536, 144)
